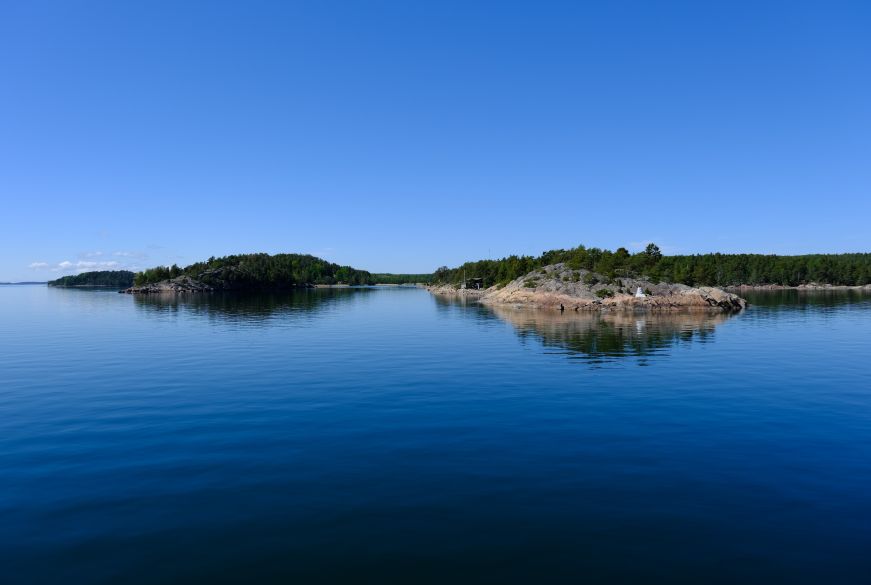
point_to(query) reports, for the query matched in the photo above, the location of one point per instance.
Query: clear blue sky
(400, 136)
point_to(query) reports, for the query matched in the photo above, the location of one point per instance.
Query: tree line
(695, 270)
(110, 278)
(387, 278)
(260, 271)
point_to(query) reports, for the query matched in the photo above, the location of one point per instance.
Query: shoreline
(558, 287)
(185, 285)
(703, 303)
(83, 286)
(680, 298)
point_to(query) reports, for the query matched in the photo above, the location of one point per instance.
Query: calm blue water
(384, 436)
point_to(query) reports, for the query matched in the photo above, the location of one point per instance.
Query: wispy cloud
(78, 266)
(94, 260)
(128, 254)
(87, 265)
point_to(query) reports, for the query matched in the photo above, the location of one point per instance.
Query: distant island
(100, 278)
(24, 282)
(259, 272)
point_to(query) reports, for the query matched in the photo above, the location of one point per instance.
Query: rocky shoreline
(558, 286)
(186, 284)
(182, 284)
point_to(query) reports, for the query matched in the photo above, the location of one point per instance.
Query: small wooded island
(576, 279)
(258, 272)
(100, 278)
(251, 272)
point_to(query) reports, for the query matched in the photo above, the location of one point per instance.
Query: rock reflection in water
(604, 337)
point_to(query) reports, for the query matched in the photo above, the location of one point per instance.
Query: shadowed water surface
(384, 435)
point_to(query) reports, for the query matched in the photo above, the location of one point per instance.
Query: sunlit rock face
(558, 286)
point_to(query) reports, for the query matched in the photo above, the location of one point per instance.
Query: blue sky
(400, 136)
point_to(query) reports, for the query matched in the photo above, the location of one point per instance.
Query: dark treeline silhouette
(260, 271)
(111, 278)
(695, 270)
(289, 270)
(386, 278)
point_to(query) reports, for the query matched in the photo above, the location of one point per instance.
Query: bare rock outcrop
(182, 284)
(557, 284)
(454, 290)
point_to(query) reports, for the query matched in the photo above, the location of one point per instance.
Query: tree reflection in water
(604, 337)
(252, 308)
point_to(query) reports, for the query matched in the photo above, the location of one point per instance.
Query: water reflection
(604, 337)
(252, 308)
(794, 299)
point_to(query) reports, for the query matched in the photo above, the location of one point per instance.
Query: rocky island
(259, 272)
(247, 272)
(557, 285)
